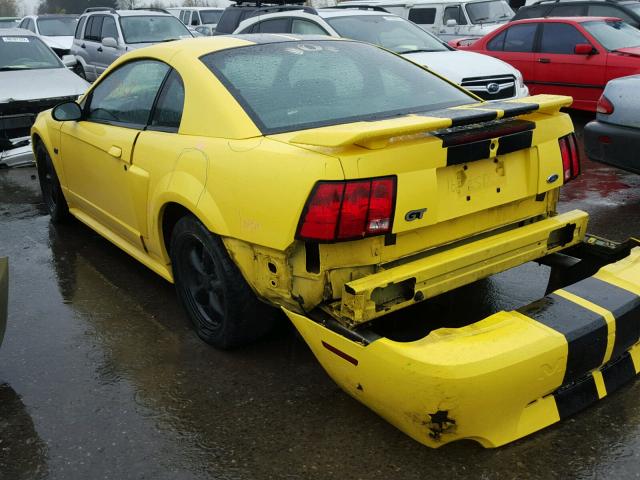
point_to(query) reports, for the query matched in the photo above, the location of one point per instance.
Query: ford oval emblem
(552, 178)
(493, 88)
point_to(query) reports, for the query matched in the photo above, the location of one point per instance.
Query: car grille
(16, 118)
(491, 88)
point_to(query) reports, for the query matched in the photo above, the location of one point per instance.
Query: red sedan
(573, 56)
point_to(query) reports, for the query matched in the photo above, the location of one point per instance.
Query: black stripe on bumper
(585, 332)
(576, 397)
(623, 304)
(616, 374)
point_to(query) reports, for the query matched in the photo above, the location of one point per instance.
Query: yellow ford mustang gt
(341, 182)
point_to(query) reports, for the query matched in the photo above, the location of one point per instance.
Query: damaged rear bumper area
(503, 377)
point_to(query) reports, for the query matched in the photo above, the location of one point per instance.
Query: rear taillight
(348, 210)
(604, 105)
(570, 157)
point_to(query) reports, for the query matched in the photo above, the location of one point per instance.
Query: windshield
(152, 29)
(389, 31)
(488, 12)
(614, 35)
(57, 27)
(291, 86)
(635, 7)
(210, 16)
(8, 23)
(25, 53)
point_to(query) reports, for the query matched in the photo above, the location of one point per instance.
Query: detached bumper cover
(613, 144)
(501, 378)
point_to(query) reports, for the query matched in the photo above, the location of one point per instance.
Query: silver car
(614, 136)
(104, 34)
(32, 79)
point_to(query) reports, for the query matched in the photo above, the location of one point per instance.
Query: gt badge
(412, 215)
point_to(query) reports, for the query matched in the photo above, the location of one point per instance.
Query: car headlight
(519, 79)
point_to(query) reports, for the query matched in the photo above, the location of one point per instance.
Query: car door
(105, 56)
(96, 152)
(90, 45)
(558, 70)
(514, 45)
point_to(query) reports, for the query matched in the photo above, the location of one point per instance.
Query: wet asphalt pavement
(101, 376)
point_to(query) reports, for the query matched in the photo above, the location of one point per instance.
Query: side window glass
(560, 38)
(277, 25)
(567, 11)
(609, 11)
(109, 28)
(81, 23)
(496, 44)
(519, 38)
(23, 24)
(303, 27)
(32, 26)
(87, 30)
(195, 18)
(126, 95)
(96, 29)
(423, 16)
(168, 111)
(531, 12)
(454, 13)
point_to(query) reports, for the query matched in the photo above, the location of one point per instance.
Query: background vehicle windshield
(635, 7)
(614, 35)
(8, 23)
(487, 12)
(292, 86)
(391, 32)
(210, 16)
(57, 27)
(25, 53)
(152, 29)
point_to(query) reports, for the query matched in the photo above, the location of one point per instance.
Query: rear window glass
(567, 11)
(531, 12)
(57, 27)
(292, 86)
(210, 16)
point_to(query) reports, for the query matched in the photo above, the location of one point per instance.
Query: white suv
(448, 19)
(104, 34)
(487, 77)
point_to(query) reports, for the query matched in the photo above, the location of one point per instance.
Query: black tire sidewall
(60, 211)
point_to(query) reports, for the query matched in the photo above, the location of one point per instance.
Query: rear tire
(217, 298)
(50, 185)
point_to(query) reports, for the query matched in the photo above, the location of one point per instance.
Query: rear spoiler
(373, 135)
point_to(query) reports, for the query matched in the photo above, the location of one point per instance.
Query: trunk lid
(454, 162)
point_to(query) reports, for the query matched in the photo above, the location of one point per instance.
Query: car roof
(407, 3)
(130, 13)
(53, 15)
(348, 12)
(10, 32)
(563, 20)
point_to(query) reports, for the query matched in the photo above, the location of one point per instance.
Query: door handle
(115, 152)
(544, 60)
(83, 46)
(99, 49)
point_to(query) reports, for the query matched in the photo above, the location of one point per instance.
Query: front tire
(50, 185)
(217, 298)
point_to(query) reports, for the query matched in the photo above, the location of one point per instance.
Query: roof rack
(374, 8)
(153, 9)
(284, 8)
(259, 3)
(99, 9)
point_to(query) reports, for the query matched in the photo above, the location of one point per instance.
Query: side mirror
(583, 49)
(109, 42)
(66, 112)
(451, 22)
(69, 61)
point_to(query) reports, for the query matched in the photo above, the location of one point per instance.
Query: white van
(448, 19)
